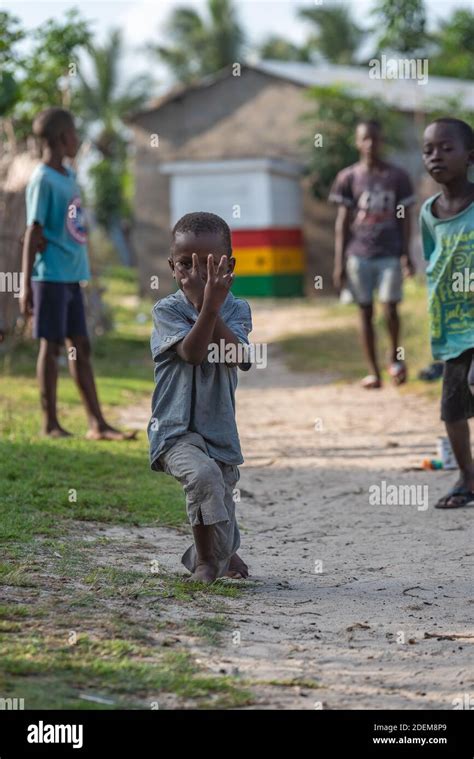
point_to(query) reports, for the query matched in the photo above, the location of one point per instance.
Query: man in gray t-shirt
(372, 242)
(192, 432)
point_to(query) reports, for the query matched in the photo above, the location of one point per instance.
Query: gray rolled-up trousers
(209, 488)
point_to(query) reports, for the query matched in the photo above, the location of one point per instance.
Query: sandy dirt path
(373, 602)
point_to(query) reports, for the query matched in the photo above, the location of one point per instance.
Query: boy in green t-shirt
(447, 228)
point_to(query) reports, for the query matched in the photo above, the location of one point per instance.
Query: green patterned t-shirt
(448, 247)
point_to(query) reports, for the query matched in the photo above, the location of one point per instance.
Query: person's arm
(195, 346)
(405, 195)
(33, 241)
(223, 332)
(341, 237)
(241, 321)
(427, 237)
(407, 261)
(208, 328)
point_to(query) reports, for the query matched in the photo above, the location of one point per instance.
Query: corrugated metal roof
(405, 94)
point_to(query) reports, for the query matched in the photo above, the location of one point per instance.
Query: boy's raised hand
(218, 282)
(193, 284)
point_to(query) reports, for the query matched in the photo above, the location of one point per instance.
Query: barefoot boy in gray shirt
(193, 434)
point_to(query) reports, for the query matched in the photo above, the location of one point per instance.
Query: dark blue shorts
(58, 311)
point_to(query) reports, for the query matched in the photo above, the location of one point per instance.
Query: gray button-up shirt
(191, 398)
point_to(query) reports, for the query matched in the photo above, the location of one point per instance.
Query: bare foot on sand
(204, 573)
(110, 433)
(238, 569)
(56, 431)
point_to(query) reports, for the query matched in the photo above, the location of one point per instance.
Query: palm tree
(401, 26)
(337, 36)
(201, 45)
(280, 49)
(454, 46)
(103, 105)
(101, 101)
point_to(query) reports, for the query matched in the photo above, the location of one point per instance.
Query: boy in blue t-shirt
(447, 228)
(55, 261)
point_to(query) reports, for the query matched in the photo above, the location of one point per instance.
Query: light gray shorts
(364, 275)
(209, 488)
(208, 484)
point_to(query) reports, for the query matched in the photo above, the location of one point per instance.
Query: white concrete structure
(248, 193)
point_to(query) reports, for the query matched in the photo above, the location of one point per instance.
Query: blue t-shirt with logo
(54, 201)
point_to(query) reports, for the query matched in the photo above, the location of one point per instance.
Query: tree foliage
(337, 37)
(201, 45)
(454, 55)
(402, 24)
(44, 77)
(279, 49)
(10, 35)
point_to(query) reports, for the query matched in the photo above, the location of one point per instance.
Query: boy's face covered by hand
(444, 153)
(190, 266)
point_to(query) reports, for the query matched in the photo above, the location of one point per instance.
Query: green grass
(294, 682)
(50, 673)
(209, 629)
(49, 481)
(94, 628)
(336, 349)
(46, 482)
(56, 581)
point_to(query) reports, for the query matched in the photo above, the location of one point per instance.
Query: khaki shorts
(209, 488)
(365, 275)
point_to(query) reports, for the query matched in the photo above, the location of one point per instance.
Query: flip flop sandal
(398, 372)
(371, 382)
(432, 372)
(464, 495)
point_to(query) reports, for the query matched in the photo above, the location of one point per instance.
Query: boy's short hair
(373, 123)
(51, 123)
(464, 130)
(200, 222)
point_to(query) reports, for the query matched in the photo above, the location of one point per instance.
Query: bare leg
(80, 368)
(206, 565)
(460, 439)
(368, 338)
(47, 374)
(393, 327)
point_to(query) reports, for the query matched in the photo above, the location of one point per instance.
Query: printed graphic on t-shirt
(75, 221)
(376, 228)
(376, 206)
(451, 305)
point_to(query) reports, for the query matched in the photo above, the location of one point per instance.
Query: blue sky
(142, 20)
